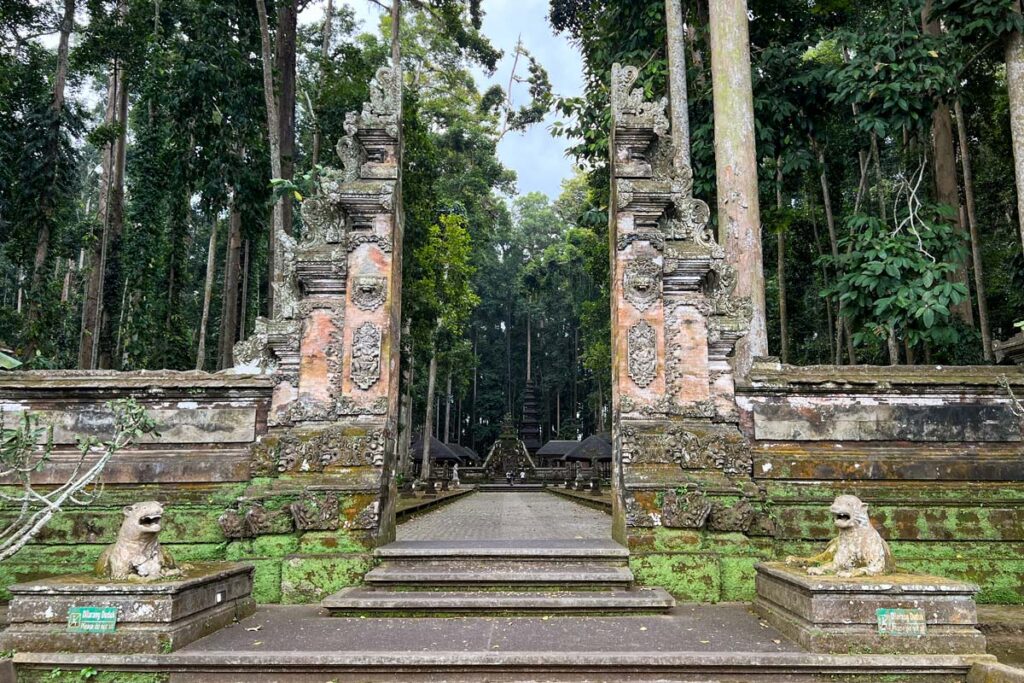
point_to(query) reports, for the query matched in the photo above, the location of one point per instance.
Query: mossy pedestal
(854, 616)
(152, 617)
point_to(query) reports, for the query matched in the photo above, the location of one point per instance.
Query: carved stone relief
(369, 292)
(641, 282)
(349, 406)
(322, 222)
(356, 241)
(252, 519)
(689, 511)
(736, 517)
(365, 518)
(628, 101)
(316, 511)
(330, 447)
(656, 239)
(365, 369)
(642, 353)
(636, 515)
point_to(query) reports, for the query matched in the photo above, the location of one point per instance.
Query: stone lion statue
(137, 552)
(859, 550)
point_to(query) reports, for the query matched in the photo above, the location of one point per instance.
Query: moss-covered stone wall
(937, 453)
(211, 467)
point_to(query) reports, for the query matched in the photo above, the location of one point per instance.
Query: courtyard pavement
(688, 628)
(527, 516)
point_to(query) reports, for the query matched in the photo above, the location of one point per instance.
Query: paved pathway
(277, 629)
(508, 516)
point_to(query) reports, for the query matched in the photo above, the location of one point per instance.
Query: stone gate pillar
(680, 460)
(333, 344)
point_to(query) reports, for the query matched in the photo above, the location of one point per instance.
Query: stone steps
(563, 666)
(489, 573)
(515, 488)
(593, 550)
(506, 577)
(359, 601)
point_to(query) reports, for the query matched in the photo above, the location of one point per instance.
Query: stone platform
(152, 617)
(836, 615)
(724, 643)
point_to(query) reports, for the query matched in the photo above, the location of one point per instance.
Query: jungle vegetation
(144, 161)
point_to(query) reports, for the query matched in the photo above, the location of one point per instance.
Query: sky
(537, 157)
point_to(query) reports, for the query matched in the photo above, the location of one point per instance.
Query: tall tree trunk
(842, 323)
(396, 25)
(946, 189)
(60, 80)
(284, 60)
(529, 349)
(229, 301)
(829, 326)
(429, 417)
(405, 402)
(972, 224)
(448, 410)
(558, 414)
(245, 292)
(109, 217)
(677, 81)
(325, 51)
(781, 247)
(1015, 90)
(211, 273)
(894, 346)
(739, 219)
(277, 222)
(113, 270)
(476, 374)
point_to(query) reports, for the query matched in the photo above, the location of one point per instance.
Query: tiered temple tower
(529, 426)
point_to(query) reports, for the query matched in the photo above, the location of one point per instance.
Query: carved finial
(628, 101)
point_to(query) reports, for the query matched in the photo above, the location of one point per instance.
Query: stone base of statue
(891, 614)
(83, 613)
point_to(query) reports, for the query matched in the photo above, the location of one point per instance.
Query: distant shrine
(509, 453)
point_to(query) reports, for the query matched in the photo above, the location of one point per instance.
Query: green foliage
(894, 74)
(897, 280)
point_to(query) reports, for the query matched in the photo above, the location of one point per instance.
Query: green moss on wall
(88, 675)
(695, 578)
(307, 579)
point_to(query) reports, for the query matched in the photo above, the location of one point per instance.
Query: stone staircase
(503, 486)
(440, 578)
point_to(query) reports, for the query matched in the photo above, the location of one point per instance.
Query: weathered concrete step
(510, 573)
(515, 488)
(290, 666)
(590, 549)
(357, 601)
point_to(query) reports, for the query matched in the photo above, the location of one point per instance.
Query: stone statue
(137, 552)
(859, 550)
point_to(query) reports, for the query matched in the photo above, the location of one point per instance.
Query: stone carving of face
(143, 518)
(644, 283)
(849, 512)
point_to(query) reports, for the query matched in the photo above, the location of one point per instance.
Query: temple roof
(439, 452)
(557, 447)
(468, 455)
(592, 448)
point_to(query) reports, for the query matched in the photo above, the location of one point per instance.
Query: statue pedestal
(892, 614)
(151, 617)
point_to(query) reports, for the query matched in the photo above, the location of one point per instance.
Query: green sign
(901, 622)
(92, 619)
